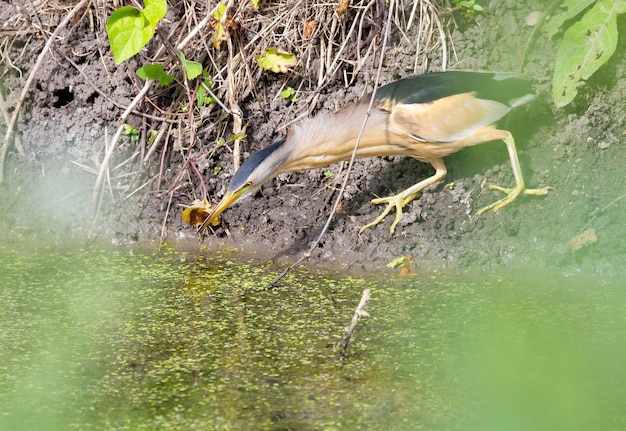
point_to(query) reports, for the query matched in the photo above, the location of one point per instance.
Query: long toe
(397, 201)
(379, 219)
(511, 194)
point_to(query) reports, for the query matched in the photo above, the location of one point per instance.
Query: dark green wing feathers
(500, 87)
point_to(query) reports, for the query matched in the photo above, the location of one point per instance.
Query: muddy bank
(69, 117)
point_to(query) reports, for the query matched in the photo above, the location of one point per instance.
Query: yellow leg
(401, 199)
(514, 192)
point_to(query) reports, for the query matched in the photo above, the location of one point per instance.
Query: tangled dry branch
(335, 44)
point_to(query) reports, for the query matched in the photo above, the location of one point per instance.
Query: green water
(106, 340)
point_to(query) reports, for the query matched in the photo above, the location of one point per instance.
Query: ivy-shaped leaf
(193, 69)
(155, 72)
(276, 60)
(586, 46)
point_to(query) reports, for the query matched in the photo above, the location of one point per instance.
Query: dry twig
(358, 313)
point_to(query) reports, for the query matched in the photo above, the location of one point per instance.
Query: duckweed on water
(95, 340)
(102, 340)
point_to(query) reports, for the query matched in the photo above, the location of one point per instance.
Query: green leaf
(237, 136)
(130, 131)
(193, 69)
(155, 10)
(289, 94)
(203, 89)
(572, 9)
(219, 34)
(201, 96)
(276, 60)
(586, 46)
(129, 31)
(398, 261)
(153, 136)
(155, 72)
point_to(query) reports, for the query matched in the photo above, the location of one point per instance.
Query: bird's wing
(446, 119)
(501, 87)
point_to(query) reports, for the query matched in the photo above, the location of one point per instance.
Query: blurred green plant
(290, 94)
(587, 44)
(131, 132)
(130, 28)
(203, 96)
(468, 7)
(155, 72)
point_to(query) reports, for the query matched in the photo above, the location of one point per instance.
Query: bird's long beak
(228, 199)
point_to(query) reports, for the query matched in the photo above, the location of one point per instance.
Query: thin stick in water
(358, 313)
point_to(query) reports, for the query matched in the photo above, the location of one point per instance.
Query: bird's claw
(398, 202)
(511, 194)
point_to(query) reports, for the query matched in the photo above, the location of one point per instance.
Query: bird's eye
(248, 184)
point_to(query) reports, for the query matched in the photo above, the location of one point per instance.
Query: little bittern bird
(426, 117)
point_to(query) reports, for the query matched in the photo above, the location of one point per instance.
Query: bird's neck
(330, 138)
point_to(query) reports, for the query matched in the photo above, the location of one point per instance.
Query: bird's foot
(511, 194)
(398, 202)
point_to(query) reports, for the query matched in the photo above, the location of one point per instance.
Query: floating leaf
(586, 46)
(155, 72)
(276, 60)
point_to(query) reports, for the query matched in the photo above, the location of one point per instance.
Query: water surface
(115, 340)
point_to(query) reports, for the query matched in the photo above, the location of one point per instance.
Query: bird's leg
(401, 199)
(514, 192)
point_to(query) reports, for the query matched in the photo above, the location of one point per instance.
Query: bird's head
(253, 173)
